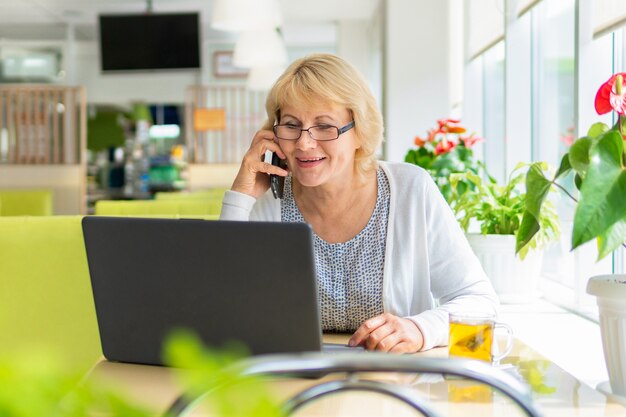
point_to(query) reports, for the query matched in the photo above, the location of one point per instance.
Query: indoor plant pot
(610, 292)
(513, 279)
(497, 211)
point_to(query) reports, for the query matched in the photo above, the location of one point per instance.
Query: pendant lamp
(263, 78)
(260, 48)
(244, 15)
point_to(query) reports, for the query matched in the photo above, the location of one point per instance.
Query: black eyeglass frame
(340, 131)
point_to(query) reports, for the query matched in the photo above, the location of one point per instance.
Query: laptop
(251, 282)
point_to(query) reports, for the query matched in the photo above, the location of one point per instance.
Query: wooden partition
(43, 142)
(42, 124)
(227, 142)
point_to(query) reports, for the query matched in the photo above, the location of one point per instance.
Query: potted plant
(446, 149)
(598, 161)
(497, 210)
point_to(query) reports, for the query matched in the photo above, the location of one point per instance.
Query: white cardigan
(430, 269)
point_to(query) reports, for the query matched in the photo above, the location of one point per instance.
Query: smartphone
(277, 182)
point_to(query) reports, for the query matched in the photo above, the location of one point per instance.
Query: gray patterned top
(349, 274)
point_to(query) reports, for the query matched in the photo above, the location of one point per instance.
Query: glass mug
(472, 337)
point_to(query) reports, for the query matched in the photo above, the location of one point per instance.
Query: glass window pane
(553, 116)
(493, 111)
(554, 104)
(619, 65)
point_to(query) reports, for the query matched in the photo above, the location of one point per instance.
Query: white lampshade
(262, 48)
(263, 78)
(240, 15)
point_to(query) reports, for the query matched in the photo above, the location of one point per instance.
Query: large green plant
(446, 149)
(498, 209)
(598, 161)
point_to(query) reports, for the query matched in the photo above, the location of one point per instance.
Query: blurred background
(123, 99)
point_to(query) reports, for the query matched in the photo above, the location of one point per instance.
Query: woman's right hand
(253, 176)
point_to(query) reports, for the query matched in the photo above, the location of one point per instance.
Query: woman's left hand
(388, 333)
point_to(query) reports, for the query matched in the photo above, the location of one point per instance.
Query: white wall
(124, 88)
(352, 44)
(360, 43)
(416, 71)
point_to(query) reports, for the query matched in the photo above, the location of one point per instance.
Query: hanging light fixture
(243, 15)
(262, 78)
(260, 48)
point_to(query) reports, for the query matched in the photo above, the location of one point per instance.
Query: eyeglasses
(319, 132)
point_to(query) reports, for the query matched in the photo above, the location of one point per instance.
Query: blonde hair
(328, 78)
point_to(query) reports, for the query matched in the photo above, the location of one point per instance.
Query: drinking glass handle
(509, 342)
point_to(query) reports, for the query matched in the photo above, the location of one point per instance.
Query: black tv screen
(149, 41)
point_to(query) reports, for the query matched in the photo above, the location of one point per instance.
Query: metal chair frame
(315, 364)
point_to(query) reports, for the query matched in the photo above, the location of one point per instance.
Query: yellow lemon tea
(464, 391)
(471, 340)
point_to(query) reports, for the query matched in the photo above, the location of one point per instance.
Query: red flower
(444, 146)
(607, 97)
(443, 122)
(450, 126)
(456, 129)
(419, 142)
(471, 140)
(432, 135)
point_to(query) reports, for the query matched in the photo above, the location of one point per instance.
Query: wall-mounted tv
(151, 41)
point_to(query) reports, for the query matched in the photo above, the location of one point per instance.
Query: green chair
(154, 207)
(210, 194)
(25, 202)
(45, 291)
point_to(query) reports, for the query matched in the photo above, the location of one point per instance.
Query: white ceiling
(48, 19)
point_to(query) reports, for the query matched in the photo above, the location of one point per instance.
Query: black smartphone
(277, 182)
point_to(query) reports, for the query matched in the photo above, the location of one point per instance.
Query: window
(554, 104)
(619, 65)
(493, 115)
(533, 94)
(25, 64)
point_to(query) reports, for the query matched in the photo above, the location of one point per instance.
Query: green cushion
(26, 202)
(45, 291)
(153, 207)
(211, 194)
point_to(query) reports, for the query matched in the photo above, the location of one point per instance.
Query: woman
(385, 241)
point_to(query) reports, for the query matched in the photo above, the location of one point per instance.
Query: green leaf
(579, 155)
(612, 238)
(564, 167)
(537, 188)
(603, 192)
(519, 165)
(526, 231)
(410, 157)
(597, 129)
(578, 181)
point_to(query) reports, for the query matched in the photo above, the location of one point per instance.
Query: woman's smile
(309, 161)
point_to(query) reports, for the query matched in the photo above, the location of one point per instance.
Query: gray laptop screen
(252, 282)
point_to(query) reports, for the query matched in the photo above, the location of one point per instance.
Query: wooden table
(555, 392)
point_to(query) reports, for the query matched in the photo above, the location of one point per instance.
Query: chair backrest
(25, 202)
(316, 365)
(45, 291)
(210, 194)
(154, 207)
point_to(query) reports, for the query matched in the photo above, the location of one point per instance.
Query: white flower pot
(610, 292)
(514, 280)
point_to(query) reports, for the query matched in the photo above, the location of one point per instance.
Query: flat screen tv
(151, 41)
